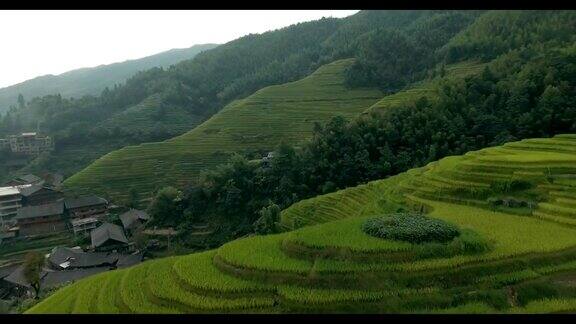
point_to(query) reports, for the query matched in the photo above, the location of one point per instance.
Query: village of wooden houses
(80, 235)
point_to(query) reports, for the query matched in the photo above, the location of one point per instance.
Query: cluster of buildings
(27, 143)
(64, 265)
(27, 190)
(31, 206)
(110, 249)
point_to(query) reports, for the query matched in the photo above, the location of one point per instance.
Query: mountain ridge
(108, 75)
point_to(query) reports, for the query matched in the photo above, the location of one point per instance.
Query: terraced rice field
(547, 167)
(324, 262)
(427, 88)
(259, 122)
(145, 117)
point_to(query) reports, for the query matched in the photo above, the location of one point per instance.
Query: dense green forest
(528, 91)
(168, 102)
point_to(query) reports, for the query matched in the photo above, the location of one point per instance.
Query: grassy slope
(276, 274)
(259, 122)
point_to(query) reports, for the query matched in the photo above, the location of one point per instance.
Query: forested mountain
(339, 43)
(451, 134)
(91, 81)
(253, 126)
(171, 101)
(525, 91)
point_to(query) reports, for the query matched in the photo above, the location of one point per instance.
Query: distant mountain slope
(256, 124)
(92, 81)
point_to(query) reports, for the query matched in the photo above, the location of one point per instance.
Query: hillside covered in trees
(421, 162)
(524, 88)
(167, 102)
(518, 83)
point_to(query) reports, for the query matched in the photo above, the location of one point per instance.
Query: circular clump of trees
(413, 228)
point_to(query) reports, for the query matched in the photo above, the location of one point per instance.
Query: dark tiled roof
(56, 278)
(17, 277)
(131, 216)
(30, 178)
(81, 259)
(7, 270)
(56, 208)
(107, 232)
(84, 201)
(27, 191)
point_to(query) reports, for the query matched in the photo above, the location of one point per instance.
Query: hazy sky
(40, 42)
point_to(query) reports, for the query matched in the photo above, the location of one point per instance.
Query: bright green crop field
(325, 262)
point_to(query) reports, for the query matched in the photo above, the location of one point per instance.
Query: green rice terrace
(494, 234)
(257, 123)
(427, 88)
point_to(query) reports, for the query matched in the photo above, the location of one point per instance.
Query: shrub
(510, 186)
(414, 228)
(268, 221)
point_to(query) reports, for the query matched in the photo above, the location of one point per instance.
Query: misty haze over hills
(91, 81)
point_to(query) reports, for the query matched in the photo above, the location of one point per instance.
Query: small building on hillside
(38, 194)
(49, 278)
(108, 237)
(133, 219)
(64, 265)
(7, 288)
(10, 203)
(30, 143)
(23, 194)
(25, 179)
(87, 206)
(63, 258)
(53, 180)
(41, 219)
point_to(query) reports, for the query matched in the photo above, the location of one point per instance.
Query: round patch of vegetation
(413, 228)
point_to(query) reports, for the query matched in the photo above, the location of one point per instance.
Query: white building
(30, 143)
(10, 202)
